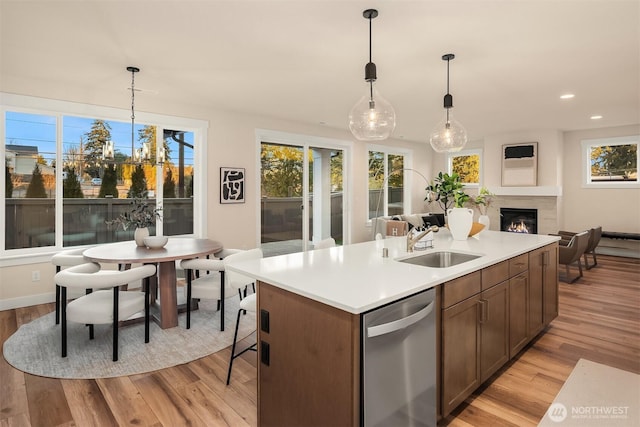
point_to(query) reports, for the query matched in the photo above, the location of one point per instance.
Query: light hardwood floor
(599, 320)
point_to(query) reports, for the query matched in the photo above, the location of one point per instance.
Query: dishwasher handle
(396, 325)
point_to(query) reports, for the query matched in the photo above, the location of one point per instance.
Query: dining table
(177, 248)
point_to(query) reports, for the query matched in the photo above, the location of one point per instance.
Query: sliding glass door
(302, 196)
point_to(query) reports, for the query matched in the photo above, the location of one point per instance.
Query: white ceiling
(304, 60)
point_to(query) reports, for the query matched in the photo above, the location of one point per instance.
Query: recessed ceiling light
(596, 117)
(567, 96)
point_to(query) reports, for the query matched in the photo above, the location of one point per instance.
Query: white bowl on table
(155, 242)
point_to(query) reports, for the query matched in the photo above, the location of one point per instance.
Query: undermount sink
(441, 259)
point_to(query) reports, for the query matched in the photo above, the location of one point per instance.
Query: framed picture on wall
(232, 184)
(520, 164)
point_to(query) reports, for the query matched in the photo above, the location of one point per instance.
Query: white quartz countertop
(357, 278)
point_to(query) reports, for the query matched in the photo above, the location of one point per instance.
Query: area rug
(35, 347)
(596, 395)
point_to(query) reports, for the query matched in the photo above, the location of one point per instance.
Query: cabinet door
(536, 278)
(550, 285)
(308, 361)
(494, 329)
(518, 303)
(460, 348)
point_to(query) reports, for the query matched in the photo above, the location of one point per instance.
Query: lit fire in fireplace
(518, 227)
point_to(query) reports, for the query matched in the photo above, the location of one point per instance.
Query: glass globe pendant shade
(372, 118)
(448, 135)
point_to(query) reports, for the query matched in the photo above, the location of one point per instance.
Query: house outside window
(60, 190)
(468, 165)
(611, 162)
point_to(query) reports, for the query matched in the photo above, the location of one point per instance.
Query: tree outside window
(614, 162)
(611, 162)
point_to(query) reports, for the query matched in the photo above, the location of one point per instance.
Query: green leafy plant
(483, 200)
(447, 190)
(141, 215)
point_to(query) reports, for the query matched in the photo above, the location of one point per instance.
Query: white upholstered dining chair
(208, 284)
(103, 306)
(329, 242)
(62, 260)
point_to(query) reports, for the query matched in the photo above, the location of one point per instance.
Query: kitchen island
(311, 307)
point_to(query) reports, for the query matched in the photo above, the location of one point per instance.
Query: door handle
(396, 325)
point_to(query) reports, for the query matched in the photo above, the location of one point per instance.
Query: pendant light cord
(448, 90)
(370, 59)
(133, 114)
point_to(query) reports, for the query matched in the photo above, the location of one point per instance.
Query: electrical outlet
(35, 276)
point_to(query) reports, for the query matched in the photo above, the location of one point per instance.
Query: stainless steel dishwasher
(399, 358)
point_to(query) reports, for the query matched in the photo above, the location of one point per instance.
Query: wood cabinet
(487, 320)
(460, 349)
(308, 361)
(550, 283)
(494, 329)
(474, 333)
(543, 288)
(518, 318)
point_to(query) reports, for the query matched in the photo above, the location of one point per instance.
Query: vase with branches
(141, 216)
(483, 200)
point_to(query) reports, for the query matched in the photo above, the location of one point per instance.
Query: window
(467, 164)
(60, 190)
(388, 194)
(611, 162)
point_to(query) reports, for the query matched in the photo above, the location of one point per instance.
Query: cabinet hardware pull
(396, 325)
(265, 353)
(483, 311)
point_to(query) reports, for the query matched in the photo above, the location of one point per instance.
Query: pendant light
(372, 118)
(137, 155)
(448, 135)
(141, 154)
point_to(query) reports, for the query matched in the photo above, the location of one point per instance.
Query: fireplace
(519, 220)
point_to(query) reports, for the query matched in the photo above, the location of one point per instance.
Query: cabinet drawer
(495, 274)
(461, 288)
(518, 264)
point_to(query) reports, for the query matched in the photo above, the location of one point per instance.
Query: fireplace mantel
(527, 191)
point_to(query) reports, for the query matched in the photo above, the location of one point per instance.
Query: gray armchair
(594, 240)
(572, 252)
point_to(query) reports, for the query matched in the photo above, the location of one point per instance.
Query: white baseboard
(11, 303)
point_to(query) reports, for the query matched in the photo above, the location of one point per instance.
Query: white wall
(614, 209)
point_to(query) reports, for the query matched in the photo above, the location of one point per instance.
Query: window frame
(470, 152)
(585, 148)
(407, 179)
(59, 109)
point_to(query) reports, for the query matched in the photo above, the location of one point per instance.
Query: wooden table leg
(168, 297)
